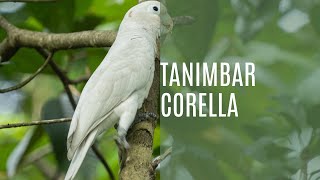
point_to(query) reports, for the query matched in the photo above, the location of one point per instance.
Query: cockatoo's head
(151, 16)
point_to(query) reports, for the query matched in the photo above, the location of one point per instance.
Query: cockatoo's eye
(155, 8)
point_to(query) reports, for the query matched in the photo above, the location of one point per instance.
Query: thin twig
(159, 159)
(63, 78)
(62, 75)
(101, 158)
(35, 123)
(25, 82)
(79, 80)
(65, 82)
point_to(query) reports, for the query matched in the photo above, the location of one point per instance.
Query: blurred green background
(276, 136)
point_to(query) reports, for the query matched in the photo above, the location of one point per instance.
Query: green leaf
(111, 10)
(54, 109)
(81, 8)
(56, 16)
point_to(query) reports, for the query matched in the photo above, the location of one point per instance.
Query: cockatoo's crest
(149, 14)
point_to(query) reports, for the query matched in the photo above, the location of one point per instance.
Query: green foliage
(277, 136)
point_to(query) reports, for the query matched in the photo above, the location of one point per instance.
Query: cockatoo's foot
(121, 138)
(123, 142)
(147, 115)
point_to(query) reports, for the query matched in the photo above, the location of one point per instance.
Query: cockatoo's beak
(166, 24)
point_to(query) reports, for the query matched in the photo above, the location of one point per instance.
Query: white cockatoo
(118, 87)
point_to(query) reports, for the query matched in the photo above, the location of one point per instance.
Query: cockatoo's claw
(122, 142)
(125, 143)
(152, 115)
(147, 115)
(121, 138)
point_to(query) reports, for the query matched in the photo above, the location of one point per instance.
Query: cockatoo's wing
(106, 89)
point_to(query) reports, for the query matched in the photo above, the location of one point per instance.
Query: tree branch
(18, 38)
(51, 41)
(35, 123)
(136, 162)
(25, 82)
(4, 24)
